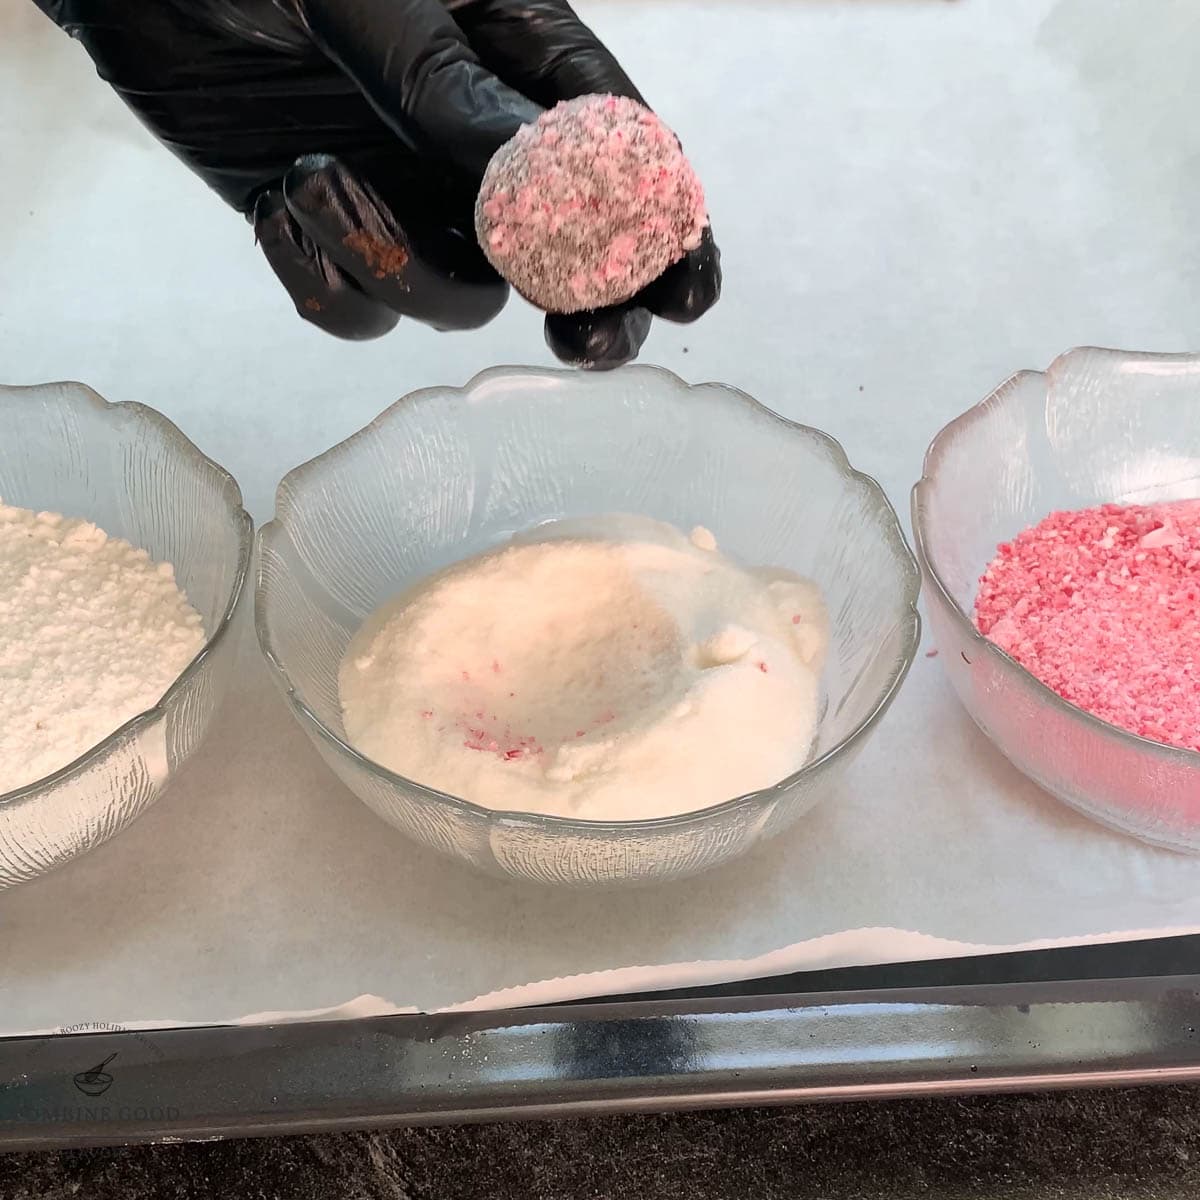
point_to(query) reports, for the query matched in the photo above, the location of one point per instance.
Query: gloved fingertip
(259, 203)
(687, 290)
(426, 271)
(600, 340)
(348, 322)
(321, 293)
(271, 220)
(306, 184)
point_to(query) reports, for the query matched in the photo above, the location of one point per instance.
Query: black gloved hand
(355, 133)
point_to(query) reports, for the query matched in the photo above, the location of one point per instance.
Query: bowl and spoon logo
(95, 1081)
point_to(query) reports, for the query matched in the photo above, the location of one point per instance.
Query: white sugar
(92, 633)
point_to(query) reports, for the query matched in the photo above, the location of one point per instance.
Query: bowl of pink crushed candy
(1058, 528)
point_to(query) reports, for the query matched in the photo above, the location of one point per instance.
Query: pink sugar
(589, 204)
(1103, 606)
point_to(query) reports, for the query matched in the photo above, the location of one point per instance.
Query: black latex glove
(354, 133)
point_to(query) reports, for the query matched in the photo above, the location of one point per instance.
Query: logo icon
(96, 1080)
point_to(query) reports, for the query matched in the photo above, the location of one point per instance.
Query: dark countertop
(1087, 1145)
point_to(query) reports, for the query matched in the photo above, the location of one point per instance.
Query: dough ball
(589, 204)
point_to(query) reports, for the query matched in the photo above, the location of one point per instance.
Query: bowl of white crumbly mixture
(123, 554)
(586, 629)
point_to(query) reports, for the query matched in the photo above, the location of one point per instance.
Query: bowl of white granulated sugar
(123, 555)
(586, 629)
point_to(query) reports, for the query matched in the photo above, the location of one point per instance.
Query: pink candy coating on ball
(589, 204)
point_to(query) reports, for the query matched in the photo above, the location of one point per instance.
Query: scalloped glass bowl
(129, 470)
(449, 472)
(1098, 426)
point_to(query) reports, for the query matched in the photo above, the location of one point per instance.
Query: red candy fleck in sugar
(478, 739)
(588, 204)
(504, 743)
(1103, 606)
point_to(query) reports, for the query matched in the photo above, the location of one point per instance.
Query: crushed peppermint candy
(1103, 606)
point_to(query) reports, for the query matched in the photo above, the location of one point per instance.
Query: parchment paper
(258, 886)
(943, 194)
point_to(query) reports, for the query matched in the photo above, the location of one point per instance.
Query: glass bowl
(448, 472)
(129, 470)
(1099, 426)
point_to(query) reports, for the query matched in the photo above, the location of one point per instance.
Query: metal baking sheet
(1095, 1016)
(999, 188)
